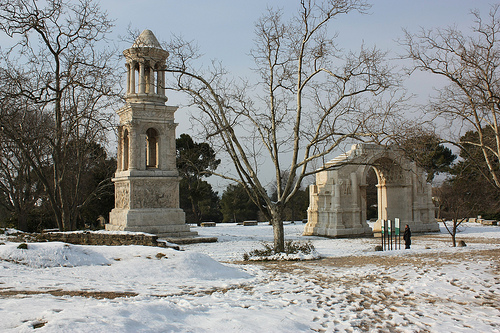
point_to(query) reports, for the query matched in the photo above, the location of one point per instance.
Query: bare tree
(21, 123)
(60, 72)
(310, 99)
(19, 192)
(454, 206)
(471, 65)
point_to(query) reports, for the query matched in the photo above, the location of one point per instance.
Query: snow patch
(201, 266)
(196, 290)
(53, 254)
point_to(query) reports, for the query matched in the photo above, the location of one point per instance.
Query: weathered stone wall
(109, 239)
(94, 238)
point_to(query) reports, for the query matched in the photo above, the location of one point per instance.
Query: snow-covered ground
(57, 287)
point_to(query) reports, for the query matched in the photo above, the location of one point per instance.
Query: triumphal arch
(338, 201)
(146, 180)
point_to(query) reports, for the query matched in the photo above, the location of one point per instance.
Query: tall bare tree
(59, 71)
(470, 63)
(309, 99)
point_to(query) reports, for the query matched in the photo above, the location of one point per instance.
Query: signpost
(398, 234)
(382, 225)
(391, 234)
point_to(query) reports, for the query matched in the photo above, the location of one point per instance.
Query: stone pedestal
(148, 204)
(147, 180)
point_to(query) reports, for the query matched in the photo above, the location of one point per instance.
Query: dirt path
(364, 293)
(60, 292)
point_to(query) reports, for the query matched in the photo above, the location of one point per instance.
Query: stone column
(170, 163)
(132, 142)
(127, 66)
(336, 198)
(381, 199)
(356, 209)
(430, 205)
(132, 77)
(362, 202)
(408, 192)
(142, 151)
(161, 81)
(163, 148)
(354, 189)
(415, 195)
(159, 84)
(151, 78)
(142, 78)
(324, 205)
(126, 150)
(119, 153)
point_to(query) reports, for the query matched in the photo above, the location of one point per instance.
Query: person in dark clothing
(407, 237)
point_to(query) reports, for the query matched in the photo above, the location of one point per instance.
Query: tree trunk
(64, 216)
(57, 215)
(454, 233)
(278, 230)
(22, 220)
(197, 212)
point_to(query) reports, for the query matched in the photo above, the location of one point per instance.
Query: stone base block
(164, 222)
(247, 223)
(417, 227)
(489, 222)
(336, 231)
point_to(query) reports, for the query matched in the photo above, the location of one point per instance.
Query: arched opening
(371, 196)
(151, 148)
(125, 149)
(391, 191)
(384, 193)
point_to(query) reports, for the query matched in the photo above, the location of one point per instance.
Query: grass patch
(23, 246)
(160, 255)
(294, 250)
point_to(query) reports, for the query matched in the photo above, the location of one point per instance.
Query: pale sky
(224, 28)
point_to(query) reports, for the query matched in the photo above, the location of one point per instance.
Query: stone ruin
(338, 201)
(146, 180)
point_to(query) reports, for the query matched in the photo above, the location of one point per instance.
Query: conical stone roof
(147, 39)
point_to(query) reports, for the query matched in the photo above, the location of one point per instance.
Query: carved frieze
(345, 186)
(155, 194)
(122, 195)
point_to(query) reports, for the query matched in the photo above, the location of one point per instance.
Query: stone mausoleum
(146, 180)
(338, 200)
